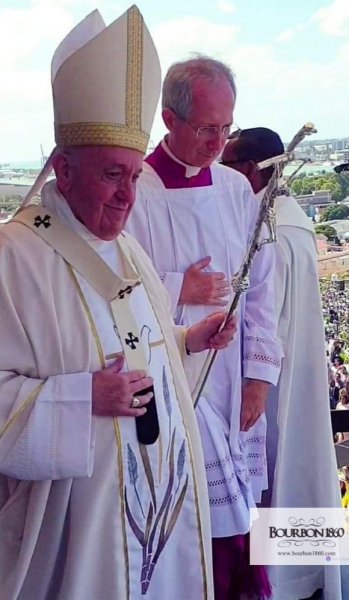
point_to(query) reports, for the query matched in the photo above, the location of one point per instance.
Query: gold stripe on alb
(32, 396)
(198, 517)
(114, 355)
(151, 345)
(122, 501)
(134, 73)
(156, 344)
(116, 429)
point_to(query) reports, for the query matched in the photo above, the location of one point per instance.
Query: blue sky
(291, 64)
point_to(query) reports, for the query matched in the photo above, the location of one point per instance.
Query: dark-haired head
(250, 147)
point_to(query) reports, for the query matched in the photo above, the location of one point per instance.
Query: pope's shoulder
(18, 240)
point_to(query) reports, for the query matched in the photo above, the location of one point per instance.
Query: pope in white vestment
(300, 452)
(87, 512)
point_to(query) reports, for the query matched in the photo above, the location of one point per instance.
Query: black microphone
(147, 426)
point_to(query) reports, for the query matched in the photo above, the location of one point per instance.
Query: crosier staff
(266, 215)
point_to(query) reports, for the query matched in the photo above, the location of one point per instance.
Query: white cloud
(271, 92)
(25, 93)
(177, 39)
(289, 33)
(24, 30)
(25, 90)
(225, 6)
(334, 18)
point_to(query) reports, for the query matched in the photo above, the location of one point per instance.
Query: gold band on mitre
(101, 134)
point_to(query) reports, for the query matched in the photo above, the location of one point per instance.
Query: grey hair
(72, 154)
(178, 83)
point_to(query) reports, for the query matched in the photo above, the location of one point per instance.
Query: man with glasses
(300, 453)
(195, 218)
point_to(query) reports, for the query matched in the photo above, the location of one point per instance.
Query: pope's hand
(205, 334)
(113, 392)
(199, 287)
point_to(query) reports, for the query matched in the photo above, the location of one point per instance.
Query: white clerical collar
(190, 171)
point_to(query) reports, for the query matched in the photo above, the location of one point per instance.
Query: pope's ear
(61, 166)
(168, 118)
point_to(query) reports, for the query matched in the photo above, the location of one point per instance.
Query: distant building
(333, 263)
(340, 225)
(344, 155)
(321, 242)
(318, 200)
(15, 187)
(340, 144)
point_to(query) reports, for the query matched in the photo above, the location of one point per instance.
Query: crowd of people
(335, 301)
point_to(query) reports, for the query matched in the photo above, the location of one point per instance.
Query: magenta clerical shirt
(173, 173)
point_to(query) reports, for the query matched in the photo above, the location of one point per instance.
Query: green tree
(334, 212)
(337, 184)
(297, 187)
(326, 230)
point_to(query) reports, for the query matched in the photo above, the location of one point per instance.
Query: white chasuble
(133, 521)
(178, 227)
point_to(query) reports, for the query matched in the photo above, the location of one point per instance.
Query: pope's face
(212, 106)
(99, 184)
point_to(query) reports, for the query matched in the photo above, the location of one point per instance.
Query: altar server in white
(103, 492)
(300, 452)
(195, 219)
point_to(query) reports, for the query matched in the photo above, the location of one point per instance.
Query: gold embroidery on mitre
(101, 134)
(134, 71)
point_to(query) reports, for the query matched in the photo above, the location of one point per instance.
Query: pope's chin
(110, 226)
(107, 231)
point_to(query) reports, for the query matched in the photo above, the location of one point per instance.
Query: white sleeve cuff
(173, 283)
(60, 436)
(255, 369)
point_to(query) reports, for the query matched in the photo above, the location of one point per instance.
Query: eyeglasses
(210, 131)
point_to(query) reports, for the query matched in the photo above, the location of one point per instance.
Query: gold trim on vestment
(134, 70)
(116, 429)
(32, 396)
(197, 509)
(122, 500)
(114, 355)
(151, 345)
(183, 345)
(101, 134)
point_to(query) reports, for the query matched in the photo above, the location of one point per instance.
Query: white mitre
(106, 84)
(106, 87)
